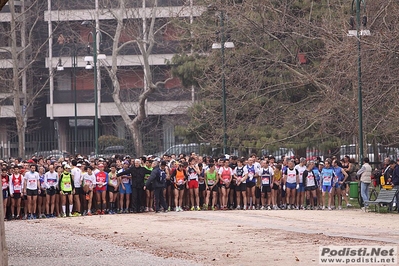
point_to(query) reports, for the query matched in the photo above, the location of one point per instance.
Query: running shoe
(89, 213)
(348, 205)
(238, 208)
(102, 212)
(330, 209)
(192, 208)
(268, 207)
(323, 208)
(151, 210)
(263, 208)
(339, 208)
(197, 208)
(17, 217)
(169, 209)
(63, 215)
(98, 212)
(213, 208)
(84, 213)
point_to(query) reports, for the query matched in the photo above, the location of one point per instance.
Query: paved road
(28, 244)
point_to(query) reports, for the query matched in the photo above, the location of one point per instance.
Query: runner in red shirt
(101, 189)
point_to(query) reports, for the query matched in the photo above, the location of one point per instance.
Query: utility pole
(3, 246)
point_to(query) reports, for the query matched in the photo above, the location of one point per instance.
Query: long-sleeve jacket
(157, 178)
(137, 174)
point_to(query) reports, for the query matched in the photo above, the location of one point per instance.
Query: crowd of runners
(75, 186)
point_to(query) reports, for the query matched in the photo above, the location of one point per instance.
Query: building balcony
(82, 13)
(87, 96)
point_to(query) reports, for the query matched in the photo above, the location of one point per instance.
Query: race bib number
(193, 176)
(5, 185)
(67, 186)
(327, 181)
(265, 180)
(125, 180)
(114, 182)
(17, 187)
(251, 176)
(180, 182)
(211, 182)
(88, 182)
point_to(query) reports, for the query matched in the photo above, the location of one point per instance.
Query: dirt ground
(288, 237)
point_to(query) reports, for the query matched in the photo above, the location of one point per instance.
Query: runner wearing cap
(101, 189)
(66, 189)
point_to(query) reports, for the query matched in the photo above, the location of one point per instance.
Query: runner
(51, 179)
(89, 183)
(125, 188)
(250, 176)
(300, 193)
(276, 197)
(266, 175)
(77, 181)
(16, 192)
(193, 172)
(179, 178)
(101, 189)
(5, 182)
(225, 176)
(149, 193)
(338, 182)
(201, 185)
(31, 189)
(66, 189)
(113, 185)
(310, 184)
(211, 181)
(41, 200)
(241, 186)
(291, 183)
(326, 177)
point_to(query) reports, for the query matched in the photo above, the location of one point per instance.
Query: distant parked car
(56, 154)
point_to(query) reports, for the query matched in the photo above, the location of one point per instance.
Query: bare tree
(25, 50)
(145, 39)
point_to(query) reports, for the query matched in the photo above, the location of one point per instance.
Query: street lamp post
(358, 32)
(94, 60)
(60, 67)
(222, 45)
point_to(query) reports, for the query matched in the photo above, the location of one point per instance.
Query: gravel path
(27, 245)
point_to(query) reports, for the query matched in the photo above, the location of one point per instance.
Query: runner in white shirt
(300, 193)
(77, 181)
(89, 182)
(266, 176)
(32, 189)
(51, 182)
(291, 183)
(241, 186)
(310, 184)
